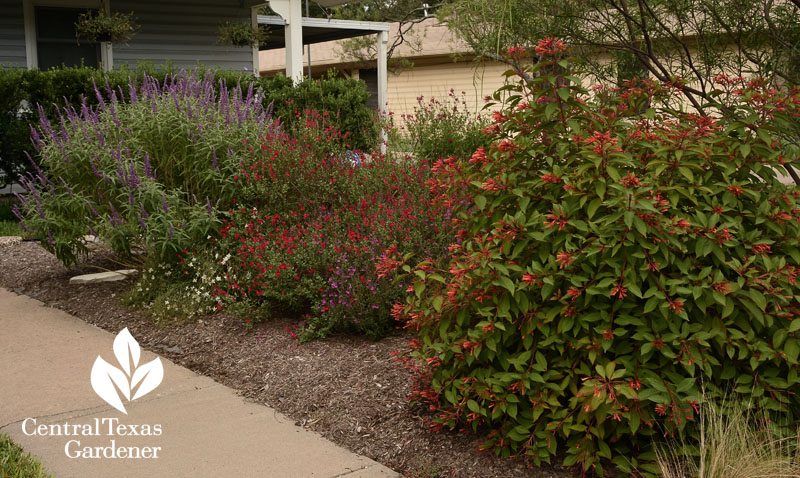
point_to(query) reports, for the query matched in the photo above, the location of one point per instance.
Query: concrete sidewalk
(46, 358)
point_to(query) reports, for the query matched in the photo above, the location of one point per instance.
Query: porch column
(383, 41)
(291, 13)
(106, 47)
(254, 23)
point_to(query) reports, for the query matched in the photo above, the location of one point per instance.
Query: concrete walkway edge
(195, 426)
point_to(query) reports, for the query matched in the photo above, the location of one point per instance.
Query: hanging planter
(95, 27)
(240, 34)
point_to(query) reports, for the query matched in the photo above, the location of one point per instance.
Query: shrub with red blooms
(613, 270)
(317, 221)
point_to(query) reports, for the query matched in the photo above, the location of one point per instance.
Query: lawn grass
(11, 228)
(15, 463)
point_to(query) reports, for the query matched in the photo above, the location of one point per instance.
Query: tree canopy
(684, 41)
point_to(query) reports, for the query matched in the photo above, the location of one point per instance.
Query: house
(41, 33)
(440, 62)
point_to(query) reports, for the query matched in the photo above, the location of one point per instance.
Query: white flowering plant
(180, 290)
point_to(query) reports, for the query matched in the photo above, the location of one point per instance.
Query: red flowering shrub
(313, 224)
(613, 270)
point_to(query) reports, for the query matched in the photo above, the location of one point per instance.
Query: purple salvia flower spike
(148, 171)
(91, 208)
(101, 102)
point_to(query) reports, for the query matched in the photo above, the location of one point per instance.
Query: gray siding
(12, 34)
(183, 32)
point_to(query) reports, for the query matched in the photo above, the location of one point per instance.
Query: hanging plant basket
(95, 27)
(240, 34)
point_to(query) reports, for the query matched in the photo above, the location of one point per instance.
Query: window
(630, 67)
(56, 44)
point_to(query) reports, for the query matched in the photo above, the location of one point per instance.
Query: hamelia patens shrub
(613, 270)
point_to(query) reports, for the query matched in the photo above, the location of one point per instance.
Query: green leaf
(745, 150)
(437, 303)
(758, 298)
(628, 216)
(550, 110)
(600, 188)
(778, 337)
(480, 201)
(791, 349)
(592, 207)
(507, 283)
(685, 384)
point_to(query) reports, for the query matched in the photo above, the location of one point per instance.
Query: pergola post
(383, 42)
(255, 48)
(292, 14)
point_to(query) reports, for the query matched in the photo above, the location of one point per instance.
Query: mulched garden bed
(348, 389)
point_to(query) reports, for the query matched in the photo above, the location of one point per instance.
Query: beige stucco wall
(435, 81)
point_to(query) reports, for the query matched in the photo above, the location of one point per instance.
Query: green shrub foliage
(312, 222)
(146, 175)
(444, 127)
(616, 265)
(22, 92)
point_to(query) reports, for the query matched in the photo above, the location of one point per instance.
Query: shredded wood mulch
(349, 389)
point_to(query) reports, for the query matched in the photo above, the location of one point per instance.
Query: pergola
(291, 30)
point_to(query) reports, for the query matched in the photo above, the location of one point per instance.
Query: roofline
(373, 27)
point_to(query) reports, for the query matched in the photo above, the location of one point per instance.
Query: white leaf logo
(132, 379)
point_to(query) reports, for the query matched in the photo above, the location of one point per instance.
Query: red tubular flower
(735, 190)
(564, 259)
(505, 145)
(530, 279)
(549, 46)
(551, 178)
(762, 249)
(630, 181)
(493, 185)
(398, 311)
(555, 219)
(676, 306)
(603, 142)
(723, 287)
(516, 52)
(619, 291)
(479, 156)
